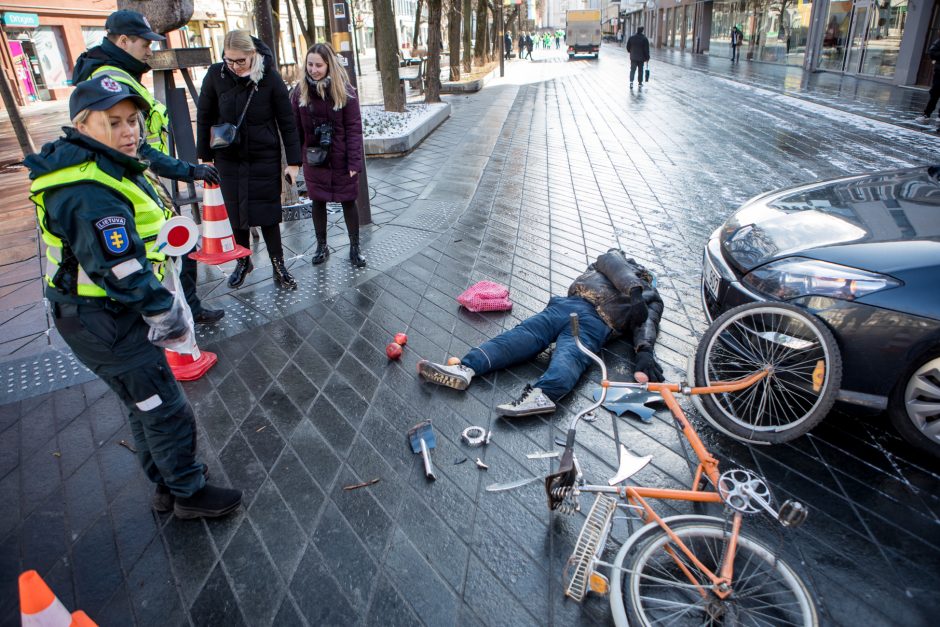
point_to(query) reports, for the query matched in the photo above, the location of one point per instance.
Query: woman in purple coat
(328, 117)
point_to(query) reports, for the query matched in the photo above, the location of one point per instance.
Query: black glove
(206, 172)
(646, 363)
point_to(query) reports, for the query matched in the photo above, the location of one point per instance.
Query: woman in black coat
(251, 167)
(326, 99)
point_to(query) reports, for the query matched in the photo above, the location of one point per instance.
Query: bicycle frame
(558, 485)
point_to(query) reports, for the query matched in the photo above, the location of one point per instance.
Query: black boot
(354, 255)
(210, 502)
(242, 267)
(281, 276)
(162, 497)
(321, 253)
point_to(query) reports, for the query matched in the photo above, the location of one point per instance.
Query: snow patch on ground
(377, 123)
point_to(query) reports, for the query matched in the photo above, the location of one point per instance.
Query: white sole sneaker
(442, 375)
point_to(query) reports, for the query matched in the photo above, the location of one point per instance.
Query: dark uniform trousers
(114, 346)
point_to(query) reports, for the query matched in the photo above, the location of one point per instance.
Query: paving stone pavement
(528, 182)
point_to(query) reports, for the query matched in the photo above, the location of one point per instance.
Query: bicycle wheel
(806, 371)
(765, 590)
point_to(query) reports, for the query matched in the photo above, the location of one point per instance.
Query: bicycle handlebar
(575, 326)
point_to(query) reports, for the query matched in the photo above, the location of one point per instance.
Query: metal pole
(340, 27)
(502, 38)
(352, 24)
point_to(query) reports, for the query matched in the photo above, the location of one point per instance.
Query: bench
(414, 74)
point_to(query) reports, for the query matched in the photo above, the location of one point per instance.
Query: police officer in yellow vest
(99, 215)
(123, 56)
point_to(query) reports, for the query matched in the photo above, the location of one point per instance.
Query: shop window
(886, 20)
(51, 52)
(93, 35)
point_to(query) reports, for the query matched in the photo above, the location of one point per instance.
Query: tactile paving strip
(43, 373)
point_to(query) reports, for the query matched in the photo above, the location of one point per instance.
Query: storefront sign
(21, 20)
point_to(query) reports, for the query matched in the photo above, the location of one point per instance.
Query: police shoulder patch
(113, 234)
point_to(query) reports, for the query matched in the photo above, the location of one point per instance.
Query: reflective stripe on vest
(149, 216)
(157, 120)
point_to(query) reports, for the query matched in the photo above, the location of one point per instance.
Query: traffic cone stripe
(218, 242)
(190, 367)
(39, 607)
(216, 229)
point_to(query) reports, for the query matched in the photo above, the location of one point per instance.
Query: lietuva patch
(113, 234)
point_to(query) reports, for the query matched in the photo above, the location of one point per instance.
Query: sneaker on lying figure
(457, 376)
(532, 402)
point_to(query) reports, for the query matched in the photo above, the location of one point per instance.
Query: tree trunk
(416, 36)
(265, 24)
(386, 53)
(479, 50)
(327, 21)
(432, 72)
(467, 25)
(453, 39)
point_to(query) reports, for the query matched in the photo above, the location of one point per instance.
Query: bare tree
(308, 28)
(416, 36)
(467, 22)
(328, 31)
(433, 68)
(453, 38)
(386, 51)
(479, 50)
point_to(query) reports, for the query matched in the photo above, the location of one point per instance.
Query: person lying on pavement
(614, 296)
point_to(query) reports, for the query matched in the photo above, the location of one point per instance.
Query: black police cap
(126, 22)
(100, 94)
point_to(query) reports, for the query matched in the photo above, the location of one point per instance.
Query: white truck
(583, 34)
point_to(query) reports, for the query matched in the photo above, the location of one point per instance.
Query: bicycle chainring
(740, 489)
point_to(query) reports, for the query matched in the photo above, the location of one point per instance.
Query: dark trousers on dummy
(114, 346)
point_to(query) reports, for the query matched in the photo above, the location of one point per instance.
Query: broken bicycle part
(364, 484)
(476, 436)
(589, 417)
(459, 460)
(422, 440)
(128, 446)
(511, 485)
(630, 464)
(542, 455)
(568, 502)
(588, 548)
(566, 475)
(481, 465)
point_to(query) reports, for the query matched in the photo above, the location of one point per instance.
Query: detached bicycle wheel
(805, 371)
(765, 591)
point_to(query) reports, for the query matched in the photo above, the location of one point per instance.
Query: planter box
(468, 87)
(396, 146)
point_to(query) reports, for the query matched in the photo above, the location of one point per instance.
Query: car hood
(819, 219)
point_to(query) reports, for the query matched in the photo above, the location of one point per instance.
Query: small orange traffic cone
(39, 607)
(190, 367)
(218, 242)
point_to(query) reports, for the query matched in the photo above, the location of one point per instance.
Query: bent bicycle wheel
(805, 371)
(660, 590)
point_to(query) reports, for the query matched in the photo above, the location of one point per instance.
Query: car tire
(920, 382)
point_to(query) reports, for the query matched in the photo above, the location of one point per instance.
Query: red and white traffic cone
(218, 242)
(39, 606)
(190, 367)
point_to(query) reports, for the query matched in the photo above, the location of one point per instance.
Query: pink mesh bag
(486, 296)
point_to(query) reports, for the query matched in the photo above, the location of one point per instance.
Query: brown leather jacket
(624, 296)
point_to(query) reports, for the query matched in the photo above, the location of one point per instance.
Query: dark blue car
(863, 254)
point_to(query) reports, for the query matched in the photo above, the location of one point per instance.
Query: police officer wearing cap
(123, 56)
(99, 216)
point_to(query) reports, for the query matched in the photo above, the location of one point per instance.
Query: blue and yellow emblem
(113, 233)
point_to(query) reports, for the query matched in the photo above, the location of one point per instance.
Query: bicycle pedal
(590, 542)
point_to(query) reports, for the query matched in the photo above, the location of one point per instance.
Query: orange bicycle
(696, 569)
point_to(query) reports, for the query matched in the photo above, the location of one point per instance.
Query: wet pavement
(528, 181)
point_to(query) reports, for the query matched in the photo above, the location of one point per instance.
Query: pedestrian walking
(934, 95)
(528, 46)
(639, 48)
(246, 90)
(737, 38)
(99, 215)
(615, 295)
(326, 111)
(557, 41)
(123, 56)
(521, 45)
(507, 43)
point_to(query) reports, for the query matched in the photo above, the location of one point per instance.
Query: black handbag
(224, 135)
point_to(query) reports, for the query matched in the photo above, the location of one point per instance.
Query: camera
(325, 134)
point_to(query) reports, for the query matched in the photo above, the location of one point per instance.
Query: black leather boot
(321, 253)
(210, 502)
(242, 267)
(281, 276)
(354, 255)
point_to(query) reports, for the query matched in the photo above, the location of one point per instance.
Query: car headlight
(794, 277)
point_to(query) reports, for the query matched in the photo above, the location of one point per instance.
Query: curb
(469, 87)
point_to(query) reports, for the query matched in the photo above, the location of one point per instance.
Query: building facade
(883, 40)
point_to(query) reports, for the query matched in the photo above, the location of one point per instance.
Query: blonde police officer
(99, 215)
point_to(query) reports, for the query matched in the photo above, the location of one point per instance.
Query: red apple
(401, 339)
(393, 350)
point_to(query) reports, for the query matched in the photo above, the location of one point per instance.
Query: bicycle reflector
(792, 513)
